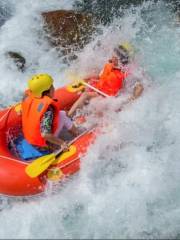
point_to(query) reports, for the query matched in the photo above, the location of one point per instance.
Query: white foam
(128, 186)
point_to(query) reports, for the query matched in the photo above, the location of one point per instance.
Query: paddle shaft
(39, 165)
(58, 152)
(95, 89)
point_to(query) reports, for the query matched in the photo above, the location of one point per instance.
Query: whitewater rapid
(129, 182)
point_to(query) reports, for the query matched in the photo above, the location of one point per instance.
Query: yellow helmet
(128, 47)
(40, 83)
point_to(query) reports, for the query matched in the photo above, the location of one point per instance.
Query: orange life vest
(111, 80)
(33, 109)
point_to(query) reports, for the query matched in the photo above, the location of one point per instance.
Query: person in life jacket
(111, 79)
(42, 121)
(125, 53)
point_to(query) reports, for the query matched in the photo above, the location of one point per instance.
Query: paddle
(93, 88)
(40, 164)
(78, 81)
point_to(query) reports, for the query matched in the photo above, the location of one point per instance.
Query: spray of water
(128, 186)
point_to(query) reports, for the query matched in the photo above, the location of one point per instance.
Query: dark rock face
(68, 30)
(105, 11)
(176, 4)
(19, 60)
(5, 12)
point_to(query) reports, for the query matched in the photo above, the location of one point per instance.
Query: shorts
(64, 122)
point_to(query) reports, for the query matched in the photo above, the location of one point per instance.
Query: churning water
(129, 183)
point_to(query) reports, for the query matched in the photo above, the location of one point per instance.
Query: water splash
(128, 186)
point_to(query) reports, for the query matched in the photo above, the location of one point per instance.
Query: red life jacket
(33, 109)
(111, 80)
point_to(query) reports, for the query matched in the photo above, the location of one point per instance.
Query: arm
(46, 129)
(74, 131)
(54, 140)
(137, 92)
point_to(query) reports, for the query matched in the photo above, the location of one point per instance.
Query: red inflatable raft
(14, 180)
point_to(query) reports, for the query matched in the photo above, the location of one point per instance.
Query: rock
(66, 29)
(5, 12)
(19, 60)
(105, 11)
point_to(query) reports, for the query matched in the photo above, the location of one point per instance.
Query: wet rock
(18, 59)
(5, 12)
(68, 30)
(105, 11)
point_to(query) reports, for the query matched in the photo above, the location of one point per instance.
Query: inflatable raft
(14, 181)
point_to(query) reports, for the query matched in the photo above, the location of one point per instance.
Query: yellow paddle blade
(39, 165)
(71, 151)
(76, 84)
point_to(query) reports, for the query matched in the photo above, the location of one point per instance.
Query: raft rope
(9, 139)
(9, 158)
